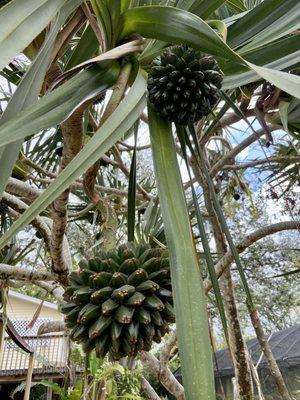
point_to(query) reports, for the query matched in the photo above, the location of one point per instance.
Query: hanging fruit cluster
(120, 302)
(183, 84)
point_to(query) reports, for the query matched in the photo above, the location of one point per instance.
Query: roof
(33, 300)
(284, 344)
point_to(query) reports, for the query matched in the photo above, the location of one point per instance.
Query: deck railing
(51, 355)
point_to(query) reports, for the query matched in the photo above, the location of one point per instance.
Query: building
(50, 350)
(285, 346)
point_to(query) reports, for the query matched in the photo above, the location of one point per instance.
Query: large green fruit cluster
(183, 84)
(120, 302)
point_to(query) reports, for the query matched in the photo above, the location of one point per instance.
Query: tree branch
(72, 131)
(18, 206)
(65, 35)
(148, 389)
(227, 259)
(22, 189)
(167, 348)
(22, 274)
(90, 176)
(42, 224)
(237, 149)
(271, 160)
(225, 121)
(163, 373)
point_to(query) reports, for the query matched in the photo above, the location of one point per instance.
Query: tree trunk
(236, 341)
(237, 345)
(275, 371)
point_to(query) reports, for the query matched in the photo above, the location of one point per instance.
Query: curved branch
(253, 237)
(167, 348)
(42, 224)
(18, 206)
(22, 274)
(148, 389)
(271, 160)
(53, 289)
(225, 121)
(237, 149)
(164, 375)
(51, 326)
(22, 189)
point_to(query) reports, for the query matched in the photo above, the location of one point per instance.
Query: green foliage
(121, 383)
(63, 394)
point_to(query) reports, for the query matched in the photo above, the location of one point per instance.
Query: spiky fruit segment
(183, 84)
(120, 302)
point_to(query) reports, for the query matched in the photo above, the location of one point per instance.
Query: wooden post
(29, 376)
(49, 391)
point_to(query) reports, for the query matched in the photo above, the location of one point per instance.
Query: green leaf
(220, 114)
(178, 26)
(20, 24)
(125, 5)
(283, 113)
(57, 105)
(258, 19)
(219, 26)
(191, 320)
(85, 48)
(202, 10)
(132, 189)
(114, 9)
(219, 212)
(287, 82)
(103, 16)
(110, 132)
(236, 5)
(232, 81)
(288, 23)
(200, 223)
(173, 25)
(185, 4)
(28, 90)
(275, 53)
(205, 8)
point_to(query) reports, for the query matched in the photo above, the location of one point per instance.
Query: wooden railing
(50, 355)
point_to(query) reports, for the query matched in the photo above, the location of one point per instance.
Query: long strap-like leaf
(28, 90)
(192, 325)
(221, 217)
(259, 19)
(110, 132)
(132, 190)
(54, 107)
(179, 26)
(200, 223)
(21, 22)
